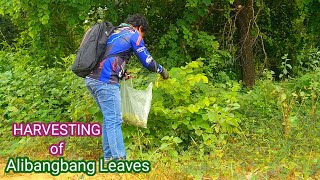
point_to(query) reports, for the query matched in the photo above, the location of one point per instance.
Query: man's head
(139, 22)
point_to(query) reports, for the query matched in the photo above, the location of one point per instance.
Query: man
(103, 81)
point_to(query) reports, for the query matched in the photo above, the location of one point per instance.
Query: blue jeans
(107, 96)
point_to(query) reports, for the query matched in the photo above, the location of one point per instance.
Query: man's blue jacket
(120, 46)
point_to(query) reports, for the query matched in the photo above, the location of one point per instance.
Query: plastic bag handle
(131, 84)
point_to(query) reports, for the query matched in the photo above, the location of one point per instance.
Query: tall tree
(244, 24)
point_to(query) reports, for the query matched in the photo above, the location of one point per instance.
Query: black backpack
(92, 48)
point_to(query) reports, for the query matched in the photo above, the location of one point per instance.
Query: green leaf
(164, 146)
(193, 108)
(283, 96)
(212, 116)
(289, 66)
(165, 138)
(13, 109)
(198, 132)
(173, 153)
(202, 12)
(22, 141)
(293, 121)
(93, 110)
(174, 126)
(177, 140)
(205, 79)
(193, 64)
(206, 2)
(217, 129)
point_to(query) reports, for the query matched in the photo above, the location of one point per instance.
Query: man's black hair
(138, 20)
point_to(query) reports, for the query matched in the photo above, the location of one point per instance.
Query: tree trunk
(244, 24)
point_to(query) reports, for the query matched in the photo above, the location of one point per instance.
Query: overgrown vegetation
(205, 121)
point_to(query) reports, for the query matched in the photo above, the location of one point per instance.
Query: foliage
(49, 28)
(30, 94)
(192, 121)
(180, 31)
(8, 32)
(187, 106)
(46, 95)
(309, 60)
(203, 123)
(187, 109)
(313, 16)
(285, 28)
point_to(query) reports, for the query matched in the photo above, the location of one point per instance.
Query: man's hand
(164, 73)
(127, 75)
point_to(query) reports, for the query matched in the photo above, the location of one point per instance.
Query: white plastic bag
(135, 104)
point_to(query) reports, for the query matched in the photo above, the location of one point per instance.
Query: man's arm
(143, 55)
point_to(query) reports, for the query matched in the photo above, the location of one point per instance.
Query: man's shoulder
(124, 30)
(135, 35)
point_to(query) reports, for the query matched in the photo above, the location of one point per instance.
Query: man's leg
(92, 86)
(109, 100)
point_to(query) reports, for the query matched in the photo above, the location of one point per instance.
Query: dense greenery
(206, 116)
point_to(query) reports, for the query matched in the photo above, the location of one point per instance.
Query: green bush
(38, 94)
(189, 109)
(186, 106)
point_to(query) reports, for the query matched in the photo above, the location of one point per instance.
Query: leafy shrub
(186, 106)
(182, 44)
(30, 94)
(188, 109)
(308, 59)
